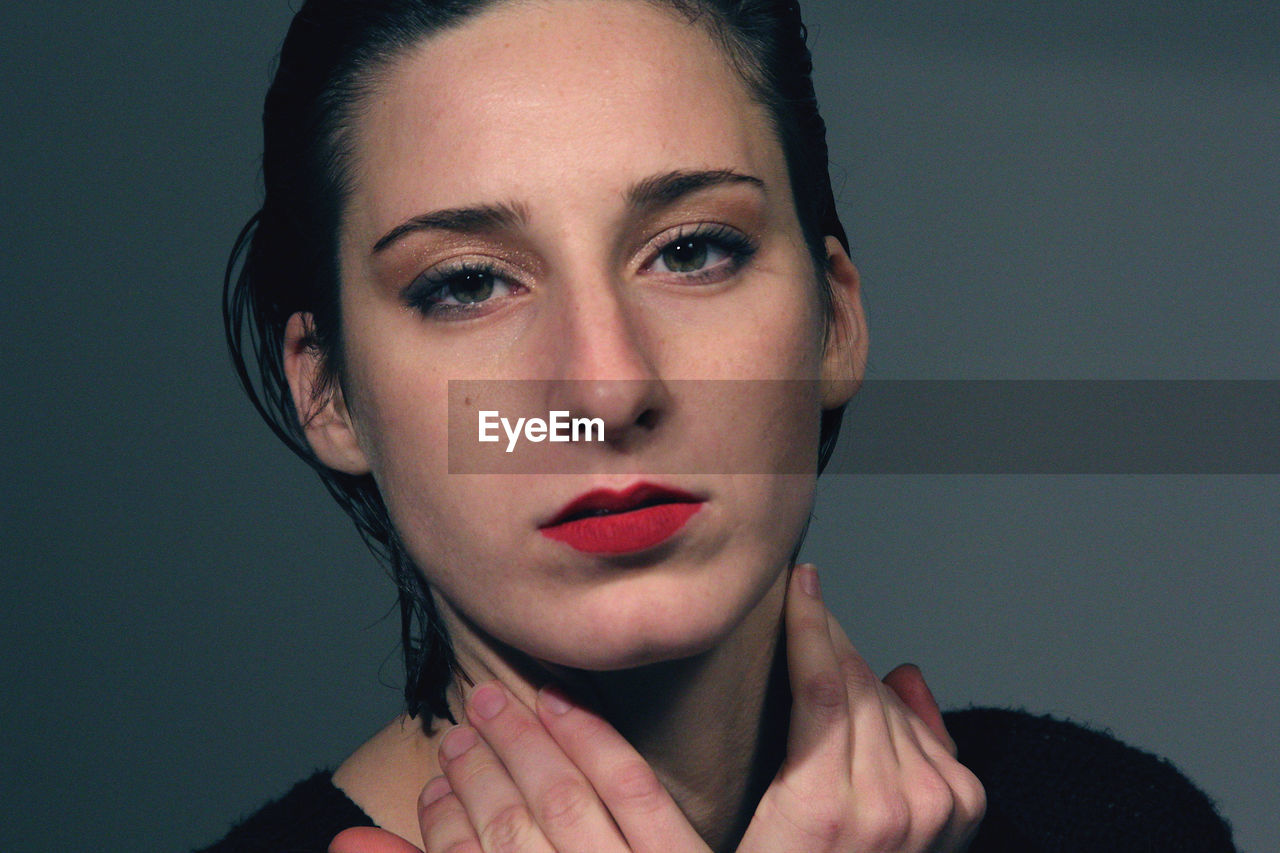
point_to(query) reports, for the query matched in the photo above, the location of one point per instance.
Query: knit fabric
(1056, 787)
(1052, 787)
(304, 820)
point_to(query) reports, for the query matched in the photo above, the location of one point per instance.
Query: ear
(322, 412)
(844, 362)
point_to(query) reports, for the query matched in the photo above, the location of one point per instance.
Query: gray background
(1051, 190)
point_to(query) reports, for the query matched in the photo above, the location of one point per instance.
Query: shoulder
(386, 774)
(304, 820)
(1056, 785)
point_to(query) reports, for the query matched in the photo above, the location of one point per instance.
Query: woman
(620, 211)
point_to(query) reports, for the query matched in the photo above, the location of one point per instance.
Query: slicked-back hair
(285, 259)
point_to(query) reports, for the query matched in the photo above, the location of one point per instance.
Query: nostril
(648, 419)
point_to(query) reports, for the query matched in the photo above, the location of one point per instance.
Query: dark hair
(288, 258)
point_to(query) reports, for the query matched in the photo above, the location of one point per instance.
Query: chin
(635, 652)
(637, 630)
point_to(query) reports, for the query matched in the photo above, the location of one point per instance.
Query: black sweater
(1052, 787)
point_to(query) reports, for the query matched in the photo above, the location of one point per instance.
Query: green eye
(702, 253)
(458, 292)
(471, 287)
(687, 255)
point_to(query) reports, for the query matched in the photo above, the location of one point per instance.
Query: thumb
(907, 682)
(368, 839)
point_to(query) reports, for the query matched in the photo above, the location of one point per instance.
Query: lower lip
(623, 532)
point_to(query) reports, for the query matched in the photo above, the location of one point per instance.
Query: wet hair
(286, 258)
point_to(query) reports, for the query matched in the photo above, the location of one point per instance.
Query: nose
(606, 363)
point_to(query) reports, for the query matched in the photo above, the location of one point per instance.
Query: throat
(712, 727)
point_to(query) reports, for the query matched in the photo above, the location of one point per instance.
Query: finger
(562, 801)
(969, 797)
(928, 739)
(900, 801)
(443, 820)
(820, 700)
(369, 839)
(874, 749)
(946, 799)
(908, 683)
(493, 803)
(968, 801)
(647, 816)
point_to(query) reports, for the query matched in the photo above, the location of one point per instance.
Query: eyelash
(737, 247)
(426, 292)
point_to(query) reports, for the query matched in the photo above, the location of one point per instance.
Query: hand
(863, 771)
(562, 779)
(554, 809)
(368, 839)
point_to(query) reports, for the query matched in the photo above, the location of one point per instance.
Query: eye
(687, 255)
(701, 253)
(457, 291)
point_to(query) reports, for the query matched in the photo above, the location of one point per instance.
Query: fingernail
(809, 580)
(488, 701)
(554, 700)
(457, 741)
(432, 791)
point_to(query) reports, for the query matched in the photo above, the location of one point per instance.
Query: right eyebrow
(463, 220)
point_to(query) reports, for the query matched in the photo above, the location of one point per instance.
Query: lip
(608, 500)
(604, 521)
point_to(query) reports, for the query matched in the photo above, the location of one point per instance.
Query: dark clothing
(1055, 787)
(1052, 787)
(304, 820)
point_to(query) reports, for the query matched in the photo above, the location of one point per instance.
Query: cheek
(451, 524)
(759, 410)
(775, 330)
(399, 426)
(399, 417)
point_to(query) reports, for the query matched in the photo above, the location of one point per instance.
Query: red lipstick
(607, 522)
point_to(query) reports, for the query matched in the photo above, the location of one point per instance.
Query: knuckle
(507, 831)
(432, 813)
(823, 822)
(825, 692)
(518, 730)
(826, 823)
(934, 803)
(564, 804)
(886, 820)
(467, 771)
(811, 621)
(971, 796)
(635, 787)
(856, 672)
(468, 846)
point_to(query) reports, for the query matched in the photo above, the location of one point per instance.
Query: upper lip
(632, 497)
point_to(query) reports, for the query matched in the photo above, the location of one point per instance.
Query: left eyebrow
(662, 190)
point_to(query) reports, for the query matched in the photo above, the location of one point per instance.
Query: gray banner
(1062, 427)
(890, 427)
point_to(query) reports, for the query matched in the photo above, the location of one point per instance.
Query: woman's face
(578, 204)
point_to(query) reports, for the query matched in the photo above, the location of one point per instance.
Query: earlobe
(844, 362)
(321, 409)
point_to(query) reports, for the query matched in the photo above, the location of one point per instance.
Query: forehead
(532, 98)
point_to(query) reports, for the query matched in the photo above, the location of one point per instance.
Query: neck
(712, 726)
